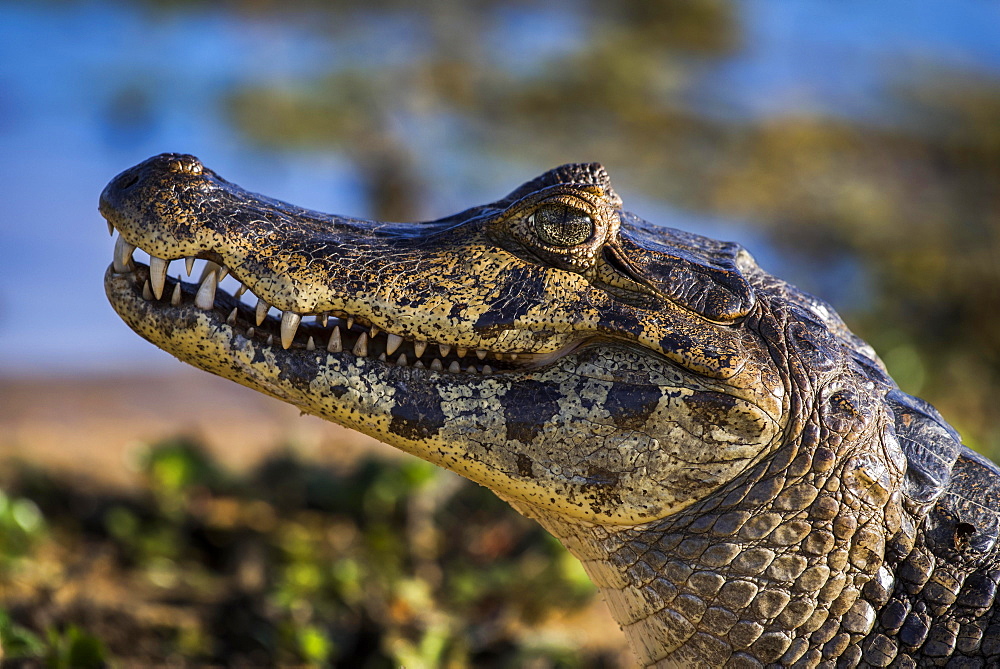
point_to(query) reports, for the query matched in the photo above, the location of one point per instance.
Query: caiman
(735, 469)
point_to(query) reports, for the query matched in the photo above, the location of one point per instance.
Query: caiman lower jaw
(336, 333)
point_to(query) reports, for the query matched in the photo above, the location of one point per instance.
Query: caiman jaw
(334, 332)
(558, 402)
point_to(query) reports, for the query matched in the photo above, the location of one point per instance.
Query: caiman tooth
(487, 369)
(381, 356)
(419, 347)
(392, 342)
(289, 326)
(350, 322)
(147, 294)
(419, 364)
(210, 268)
(460, 352)
(335, 345)
(231, 319)
(189, 264)
(111, 228)
(481, 354)
(157, 274)
(444, 348)
(454, 367)
(262, 308)
(123, 255)
(361, 347)
(239, 291)
(270, 340)
(223, 272)
(512, 356)
(373, 331)
(250, 332)
(323, 318)
(175, 297)
(310, 344)
(401, 361)
(205, 299)
(436, 365)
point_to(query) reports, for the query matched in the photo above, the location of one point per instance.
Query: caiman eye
(559, 225)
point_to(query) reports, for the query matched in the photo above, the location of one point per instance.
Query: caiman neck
(789, 557)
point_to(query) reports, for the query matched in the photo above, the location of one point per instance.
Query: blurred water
(840, 57)
(90, 88)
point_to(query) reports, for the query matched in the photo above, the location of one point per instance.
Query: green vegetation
(389, 564)
(21, 524)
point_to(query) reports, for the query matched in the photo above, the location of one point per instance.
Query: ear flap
(697, 273)
(671, 262)
(571, 174)
(930, 445)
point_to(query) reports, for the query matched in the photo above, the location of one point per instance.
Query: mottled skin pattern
(734, 468)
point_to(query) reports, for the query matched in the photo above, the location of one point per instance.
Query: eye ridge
(561, 225)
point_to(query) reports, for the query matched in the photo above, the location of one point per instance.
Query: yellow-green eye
(559, 225)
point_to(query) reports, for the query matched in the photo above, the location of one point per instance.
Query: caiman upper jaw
(178, 233)
(336, 333)
(459, 284)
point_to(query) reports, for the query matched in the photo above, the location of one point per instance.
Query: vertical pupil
(560, 225)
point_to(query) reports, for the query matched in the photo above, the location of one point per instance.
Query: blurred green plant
(388, 564)
(74, 649)
(175, 468)
(71, 648)
(21, 525)
(16, 641)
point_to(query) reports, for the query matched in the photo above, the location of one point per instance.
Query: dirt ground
(92, 425)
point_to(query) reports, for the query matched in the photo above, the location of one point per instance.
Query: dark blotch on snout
(416, 415)
(631, 405)
(527, 407)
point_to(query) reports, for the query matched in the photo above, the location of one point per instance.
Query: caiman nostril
(128, 182)
(185, 165)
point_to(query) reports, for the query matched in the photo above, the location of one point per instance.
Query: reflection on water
(856, 151)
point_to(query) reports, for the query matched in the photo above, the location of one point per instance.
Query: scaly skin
(734, 468)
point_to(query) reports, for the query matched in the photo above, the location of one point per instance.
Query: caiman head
(580, 362)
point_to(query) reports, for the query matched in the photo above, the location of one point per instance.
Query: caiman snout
(135, 183)
(155, 168)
